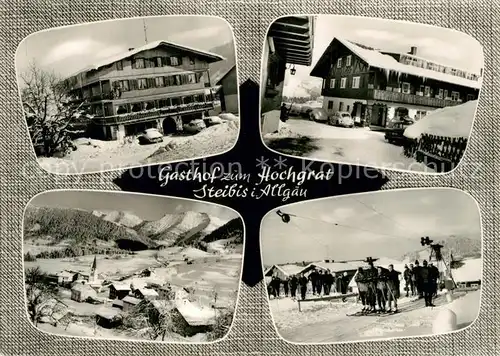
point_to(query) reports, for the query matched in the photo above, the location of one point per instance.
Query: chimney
(132, 48)
(413, 50)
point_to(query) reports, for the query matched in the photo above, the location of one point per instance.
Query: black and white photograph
(372, 92)
(131, 266)
(124, 93)
(369, 266)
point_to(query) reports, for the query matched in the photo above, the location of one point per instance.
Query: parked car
(395, 134)
(212, 120)
(194, 126)
(342, 118)
(305, 110)
(150, 136)
(319, 115)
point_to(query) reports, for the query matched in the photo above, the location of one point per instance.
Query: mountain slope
(175, 228)
(80, 227)
(218, 69)
(232, 229)
(458, 246)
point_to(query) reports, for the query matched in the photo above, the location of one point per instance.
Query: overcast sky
(66, 50)
(439, 44)
(147, 207)
(380, 224)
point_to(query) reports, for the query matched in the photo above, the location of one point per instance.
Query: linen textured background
(253, 332)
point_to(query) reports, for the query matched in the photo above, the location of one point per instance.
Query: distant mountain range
(219, 69)
(125, 230)
(302, 87)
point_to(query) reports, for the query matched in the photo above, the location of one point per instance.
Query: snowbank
(453, 121)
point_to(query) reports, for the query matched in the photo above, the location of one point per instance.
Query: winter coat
(361, 282)
(393, 280)
(303, 281)
(407, 275)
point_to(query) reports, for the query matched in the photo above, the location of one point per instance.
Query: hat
(416, 262)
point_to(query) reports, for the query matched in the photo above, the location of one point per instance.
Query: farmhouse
(118, 291)
(129, 302)
(145, 293)
(380, 87)
(159, 85)
(108, 317)
(81, 292)
(229, 90)
(468, 273)
(283, 271)
(191, 319)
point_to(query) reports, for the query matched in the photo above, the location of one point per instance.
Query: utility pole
(435, 252)
(145, 31)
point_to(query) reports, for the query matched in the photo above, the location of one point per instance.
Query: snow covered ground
(326, 321)
(323, 142)
(97, 156)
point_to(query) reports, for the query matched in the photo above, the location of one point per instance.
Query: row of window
(348, 61)
(405, 89)
(421, 63)
(343, 83)
(148, 105)
(157, 82)
(154, 62)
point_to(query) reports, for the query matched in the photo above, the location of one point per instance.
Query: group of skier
(322, 282)
(379, 288)
(422, 281)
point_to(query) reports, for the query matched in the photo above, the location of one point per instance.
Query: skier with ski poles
(393, 288)
(381, 289)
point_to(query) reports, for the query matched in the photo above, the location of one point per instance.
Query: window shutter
(166, 61)
(133, 84)
(151, 83)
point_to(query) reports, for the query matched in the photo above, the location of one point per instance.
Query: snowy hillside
(300, 87)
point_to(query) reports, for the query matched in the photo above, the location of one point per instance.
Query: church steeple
(93, 270)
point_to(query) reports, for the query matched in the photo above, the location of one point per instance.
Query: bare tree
(49, 110)
(41, 296)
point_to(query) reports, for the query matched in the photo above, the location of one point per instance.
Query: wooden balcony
(395, 97)
(142, 116)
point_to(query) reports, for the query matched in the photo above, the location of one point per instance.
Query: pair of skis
(377, 313)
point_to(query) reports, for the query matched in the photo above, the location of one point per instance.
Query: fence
(440, 151)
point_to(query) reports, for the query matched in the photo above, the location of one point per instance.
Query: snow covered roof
(66, 274)
(210, 57)
(332, 266)
(374, 58)
(451, 121)
(82, 287)
(289, 269)
(120, 286)
(148, 292)
(224, 74)
(195, 315)
(108, 313)
(131, 300)
(470, 271)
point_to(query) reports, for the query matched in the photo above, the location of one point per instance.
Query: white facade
(333, 104)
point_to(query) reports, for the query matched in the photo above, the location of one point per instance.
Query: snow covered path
(325, 322)
(344, 145)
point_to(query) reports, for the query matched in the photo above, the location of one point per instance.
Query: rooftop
(131, 300)
(375, 58)
(208, 56)
(120, 286)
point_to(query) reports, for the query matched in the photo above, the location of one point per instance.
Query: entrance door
(379, 115)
